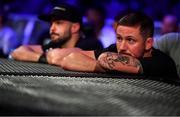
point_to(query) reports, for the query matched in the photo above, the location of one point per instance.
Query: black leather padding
(40, 89)
(11, 67)
(45, 95)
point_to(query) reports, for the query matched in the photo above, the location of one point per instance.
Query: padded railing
(40, 89)
(11, 67)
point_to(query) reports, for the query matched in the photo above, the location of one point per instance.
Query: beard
(124, 53)
(60, 40)
(57, 43)
(55, 37)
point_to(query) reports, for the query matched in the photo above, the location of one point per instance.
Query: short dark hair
(139, 19)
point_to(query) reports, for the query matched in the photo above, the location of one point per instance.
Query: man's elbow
(17, 52)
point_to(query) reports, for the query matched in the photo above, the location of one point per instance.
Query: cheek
(136, 50)
(59, 30)
(117, 45)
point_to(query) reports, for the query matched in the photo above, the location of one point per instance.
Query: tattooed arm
(119, 62)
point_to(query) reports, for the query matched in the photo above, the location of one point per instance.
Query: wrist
(99, 68)
(42, 58)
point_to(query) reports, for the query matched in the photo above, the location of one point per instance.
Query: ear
(148, 43)
(75, 27)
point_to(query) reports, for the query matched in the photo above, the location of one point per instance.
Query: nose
(52, 28)
(122, 46)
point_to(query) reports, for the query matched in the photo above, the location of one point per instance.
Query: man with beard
(65, 32)
(133, 52)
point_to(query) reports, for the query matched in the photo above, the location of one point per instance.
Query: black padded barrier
(11, 67)
(25, 93)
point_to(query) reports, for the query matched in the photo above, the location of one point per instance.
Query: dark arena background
(28, 88)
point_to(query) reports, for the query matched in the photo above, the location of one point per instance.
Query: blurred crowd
(99, 19)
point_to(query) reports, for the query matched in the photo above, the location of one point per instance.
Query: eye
(119, 38)
(131, 40)
(58, 22)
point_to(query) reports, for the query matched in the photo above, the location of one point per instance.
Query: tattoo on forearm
(112, 58)
(123, 59)
(109, 60)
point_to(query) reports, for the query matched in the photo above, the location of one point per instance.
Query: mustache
(124, 53)
(54, 34)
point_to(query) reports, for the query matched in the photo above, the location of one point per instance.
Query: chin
(127, 54)
(55, 40)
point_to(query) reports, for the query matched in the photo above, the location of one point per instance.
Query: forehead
(61, 21)
(128, 30)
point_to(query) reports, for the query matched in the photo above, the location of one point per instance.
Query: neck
(148, 53)
(72, 42)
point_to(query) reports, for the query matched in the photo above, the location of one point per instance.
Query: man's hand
(78, 61)
(74, 59)
(27, 53)
(119, 62)
(55, 56)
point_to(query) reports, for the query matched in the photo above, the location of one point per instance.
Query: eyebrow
(130, 37)
(126, 36)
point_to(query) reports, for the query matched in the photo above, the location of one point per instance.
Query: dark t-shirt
(83, 43)
(89, 44)
(159, 64)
